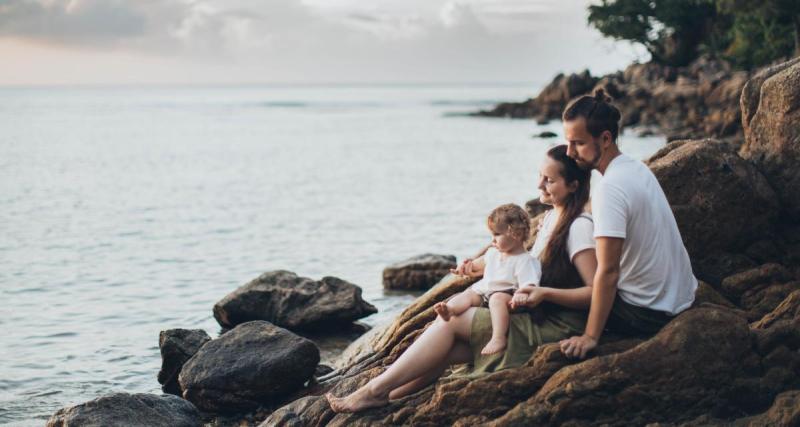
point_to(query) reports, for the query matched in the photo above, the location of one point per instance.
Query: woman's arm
(586, 264)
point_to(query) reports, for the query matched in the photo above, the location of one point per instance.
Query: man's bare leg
(498, 309)
(426, 354)
(458, 304)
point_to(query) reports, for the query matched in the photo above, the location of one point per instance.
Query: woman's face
(554, 189)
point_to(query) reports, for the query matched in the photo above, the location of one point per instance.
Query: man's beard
(589, 165)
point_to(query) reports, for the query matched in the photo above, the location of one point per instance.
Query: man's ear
(607, 139)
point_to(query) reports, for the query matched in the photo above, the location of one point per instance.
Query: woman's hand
(528, 296)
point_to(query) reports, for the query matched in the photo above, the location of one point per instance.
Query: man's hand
(577, 347)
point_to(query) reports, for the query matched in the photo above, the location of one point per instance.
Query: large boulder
(298, 303)
(419, 272)
(255, 363)
(770, 105)
(706, 183)
(674, 377)
(129, 410)
(177, 346)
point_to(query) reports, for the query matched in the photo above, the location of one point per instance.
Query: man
(644, 277)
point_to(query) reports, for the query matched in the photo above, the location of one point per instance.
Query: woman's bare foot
(356, 401)
(495, 345)
(442, 310)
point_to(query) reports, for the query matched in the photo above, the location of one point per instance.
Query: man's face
(581, 145)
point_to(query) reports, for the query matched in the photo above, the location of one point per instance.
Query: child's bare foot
(442, 310)
(495, 345)
(356, 401)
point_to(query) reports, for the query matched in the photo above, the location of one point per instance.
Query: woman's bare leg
(422, 358)
(460, 353)
(498, 308)
(458, 304)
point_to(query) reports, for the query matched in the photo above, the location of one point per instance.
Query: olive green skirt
(526, 332)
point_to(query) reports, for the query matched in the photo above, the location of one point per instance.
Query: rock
(419, 272)
(674, 377)
(255, 363)
(546, 135)
(123, 409)
(760, 290)
(535, 207)
(770, 105)
(737, 284)
(784, 412)
(177, 346)
(704, 182)
(706, 294)
(293, 302)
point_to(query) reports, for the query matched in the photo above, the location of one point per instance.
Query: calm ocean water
(126, 211)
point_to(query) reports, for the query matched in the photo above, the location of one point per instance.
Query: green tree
(762, 31)
(673, 31)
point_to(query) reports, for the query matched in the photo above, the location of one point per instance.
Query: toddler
(509, 271)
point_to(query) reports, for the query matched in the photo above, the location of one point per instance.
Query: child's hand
(519, 299)
(464, 269)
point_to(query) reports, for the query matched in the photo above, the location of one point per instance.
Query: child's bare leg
(458, 304)
(498, 309)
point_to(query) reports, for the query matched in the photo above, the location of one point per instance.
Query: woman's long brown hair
(574, 205)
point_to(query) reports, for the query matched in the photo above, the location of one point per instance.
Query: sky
(64, 42)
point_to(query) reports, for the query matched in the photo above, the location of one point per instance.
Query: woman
(565, 247)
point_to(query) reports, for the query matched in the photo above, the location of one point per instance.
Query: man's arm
(604, 289)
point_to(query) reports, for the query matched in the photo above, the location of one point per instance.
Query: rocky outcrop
(770, 115)
(696, 101)
(419, 272)
(134, 410)
(293, 302)
(705, 182)
(255, 363)
(177, 346)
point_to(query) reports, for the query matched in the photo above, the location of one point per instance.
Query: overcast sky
(299, 41)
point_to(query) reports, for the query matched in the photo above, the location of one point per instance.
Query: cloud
(72, 22)
(321, 40)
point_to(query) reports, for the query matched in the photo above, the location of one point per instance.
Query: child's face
(505, 242)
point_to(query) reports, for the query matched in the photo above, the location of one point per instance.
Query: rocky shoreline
(733, 359)
(697, 101)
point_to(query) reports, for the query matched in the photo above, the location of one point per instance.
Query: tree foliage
(675, 32)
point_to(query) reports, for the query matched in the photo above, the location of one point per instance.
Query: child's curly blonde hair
(510, 217)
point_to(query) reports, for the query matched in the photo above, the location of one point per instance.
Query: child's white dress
(507, 273)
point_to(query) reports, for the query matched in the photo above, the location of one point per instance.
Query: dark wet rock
(760, 290)
(546, 135)
(419, 272)
(177, 346)
(322, 370)
(255, 363)
(770, 115)
(298, 303)
(129, 410)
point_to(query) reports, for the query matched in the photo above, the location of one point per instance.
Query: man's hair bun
(600, 95)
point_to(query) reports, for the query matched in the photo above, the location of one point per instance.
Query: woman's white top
(581, 234)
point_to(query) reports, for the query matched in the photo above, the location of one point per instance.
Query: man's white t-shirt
(507, 272)
(580, 235)
(655, 271)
